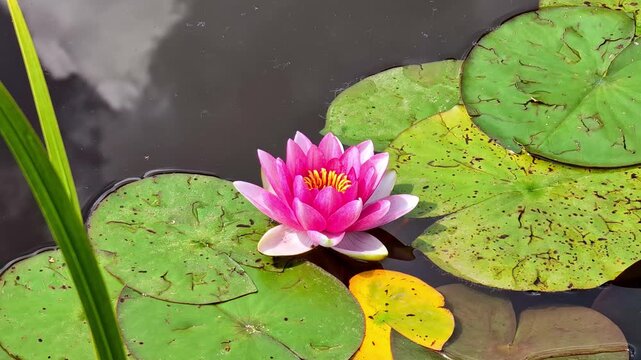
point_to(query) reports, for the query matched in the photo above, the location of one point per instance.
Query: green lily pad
(629, 6)
(180, 237)
(514, 221)
(487, 328)
(4, 355)
(563, 83)
(40, 312)
(381, 106)
(301, 313)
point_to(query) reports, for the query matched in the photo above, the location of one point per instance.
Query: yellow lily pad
(393, 300)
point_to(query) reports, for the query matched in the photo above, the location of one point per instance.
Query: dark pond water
(160, 84)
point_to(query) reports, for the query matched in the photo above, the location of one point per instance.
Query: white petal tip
(272, 252)
(412, 201)
(362, 246)
(325, 240)
(283, 241)
(367, 256)
(241, 185)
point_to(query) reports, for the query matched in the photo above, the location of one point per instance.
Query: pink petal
(371, 216)
(268, 204)
(351, 160)
(284, 181)
(296, 159)
(325, 239)
(399, 206)
(366, 183)
(267, 163)
(327, 201)
(352, 192)
(345, 216)
(363, 246)
(366, 148)
(315, 158)
(330, 146)
(301, 191)
(308, 217)
(334, 164)
(302, 141)
(384, 188)
(266, 185)
(379, 163)
(277, 175)
(283, 241)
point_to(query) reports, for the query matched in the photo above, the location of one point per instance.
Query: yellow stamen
(320, 180)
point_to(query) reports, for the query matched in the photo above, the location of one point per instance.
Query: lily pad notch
(160, 237)
(381, 106)
(563, 83)
(512, 221)
(286, 319)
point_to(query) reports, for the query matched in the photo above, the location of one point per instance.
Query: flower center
(320, 179)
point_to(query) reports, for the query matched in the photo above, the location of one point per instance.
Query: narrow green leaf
(65, 225)
(46, 113)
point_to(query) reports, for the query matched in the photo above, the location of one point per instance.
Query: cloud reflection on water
(107, 43)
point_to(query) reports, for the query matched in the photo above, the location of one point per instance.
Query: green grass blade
(65, 225)
(44, 106)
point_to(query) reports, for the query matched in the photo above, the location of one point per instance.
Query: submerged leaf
(404, 349)
(629, 6)
(514, 221)
(40, 312)
(342, 267)
(381, 106)
(623, 306)
(393, 300)
(487, 329)
(301, 313)
(563, 83)
(180, 237)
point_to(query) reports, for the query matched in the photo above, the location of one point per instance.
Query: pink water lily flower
(325, 195)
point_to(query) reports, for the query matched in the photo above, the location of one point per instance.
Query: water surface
(202, 84)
